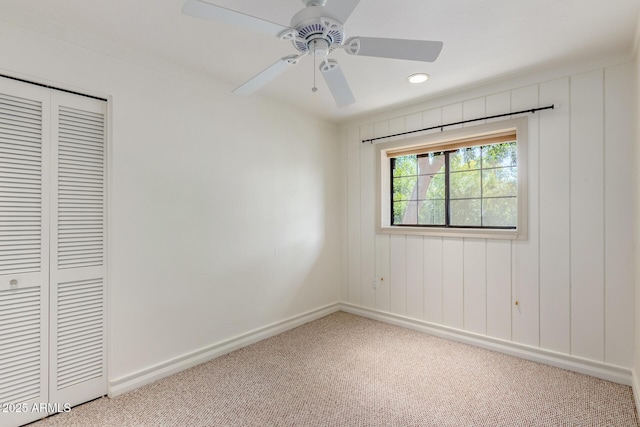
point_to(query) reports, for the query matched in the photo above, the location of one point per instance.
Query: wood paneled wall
(572, 278)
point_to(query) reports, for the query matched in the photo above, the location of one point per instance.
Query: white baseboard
(138, 379)
(604, 371)
(636, 389)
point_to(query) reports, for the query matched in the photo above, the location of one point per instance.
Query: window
(468, 182)
(468, 187)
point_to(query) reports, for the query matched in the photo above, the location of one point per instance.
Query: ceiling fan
(317, 30)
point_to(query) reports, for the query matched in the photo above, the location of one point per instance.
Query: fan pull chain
(314, 88)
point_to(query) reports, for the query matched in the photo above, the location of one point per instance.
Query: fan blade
(265, 76)
(414, 50)
(341, 9)
(204, 10)
(336, 82)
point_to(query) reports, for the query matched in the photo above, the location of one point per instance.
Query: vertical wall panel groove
(453, 282)
(525, 254)
(433, 279)
(618, 203)
(354, 271)
(344, 217)
(367, 212)
(475, 286)
(555, 255)
(587, 219)
(382, 272)
(498, 268)
(415, 276)
(398, 274)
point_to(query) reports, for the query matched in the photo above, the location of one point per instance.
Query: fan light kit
(317, 30)
(418, 78)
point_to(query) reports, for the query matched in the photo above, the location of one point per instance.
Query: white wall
(572, 278)
(223, 212)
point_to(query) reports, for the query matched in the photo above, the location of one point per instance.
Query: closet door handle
(13, 283)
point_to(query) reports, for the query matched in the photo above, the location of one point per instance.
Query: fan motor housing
(314, 2)
(313, 23)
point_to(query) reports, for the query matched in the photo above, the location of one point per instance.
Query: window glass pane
(466, 212)
(500, 212)
(500, 182)
(405, 166)
(431, 212)
(465, 159)
(405, 213)
(431, 163)
(431, 187)
(465, 185)
(403, 188)
(499, 155)
(482, 187)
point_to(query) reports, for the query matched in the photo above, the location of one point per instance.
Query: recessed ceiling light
(418, 78)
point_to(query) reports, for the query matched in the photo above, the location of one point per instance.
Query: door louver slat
(20, 346)
(19, 332)
(17, 361)
(20, 322)
(80, 315)
(81, 184)
(80, 338)
(20, 182)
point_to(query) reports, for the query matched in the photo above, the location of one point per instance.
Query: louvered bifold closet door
(24, 250)
(78, 294)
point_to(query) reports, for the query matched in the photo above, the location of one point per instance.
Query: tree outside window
(467, 187)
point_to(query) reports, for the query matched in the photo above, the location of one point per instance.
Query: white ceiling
(482, 40)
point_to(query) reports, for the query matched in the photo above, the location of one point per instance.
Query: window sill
(475, 233)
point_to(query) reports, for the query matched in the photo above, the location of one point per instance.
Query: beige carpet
(345, 370)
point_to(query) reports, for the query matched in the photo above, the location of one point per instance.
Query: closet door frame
(50, 400)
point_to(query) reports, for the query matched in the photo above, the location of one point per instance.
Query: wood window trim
(447, 140)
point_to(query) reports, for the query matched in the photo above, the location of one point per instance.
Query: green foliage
(405, 178)
(499, 155)
(432, 212)
(465, 185)
(405, 166)
(436, 186)
(466, 212)
(501, 182)
(465, 159)
(482, 180)
(500, 212)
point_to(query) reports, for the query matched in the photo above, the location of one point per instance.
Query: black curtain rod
(53, 87)
(441, 127)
